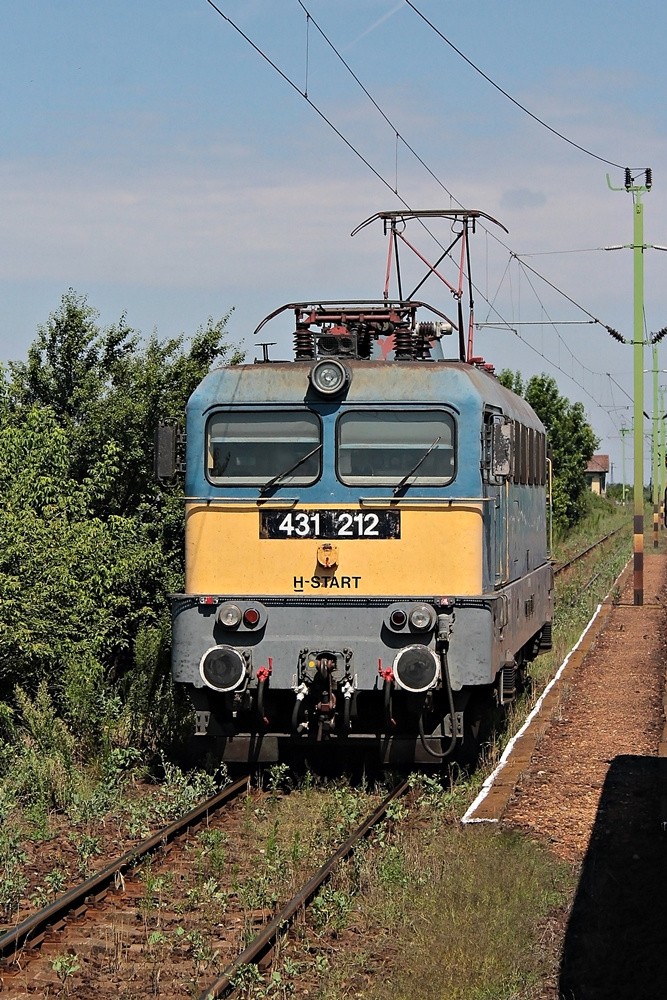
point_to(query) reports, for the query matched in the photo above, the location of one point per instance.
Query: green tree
(570, 437)
(108, 389)
(90, 545)
(74, 588)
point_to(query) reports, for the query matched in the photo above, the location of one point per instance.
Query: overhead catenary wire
(305, 86)
(504, 324)
(375, 104)
(553, 253)
(593, 319)
(540, 322)
(303, 93)
(432, 173)
(511, 326)
(509, 97)
(305, 97)
(429, 170)
(350, 145)
(551, 322)
(321, 114)
(557, 289)
(507, 325)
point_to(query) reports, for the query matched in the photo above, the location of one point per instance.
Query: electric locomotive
(365, 542)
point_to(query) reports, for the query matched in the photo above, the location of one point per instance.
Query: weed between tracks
(192, 915)
(424, 909)
(419, 898)
(60, 823)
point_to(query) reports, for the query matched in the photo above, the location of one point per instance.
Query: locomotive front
(347, 570)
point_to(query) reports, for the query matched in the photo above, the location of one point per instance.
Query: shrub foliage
(90, 545)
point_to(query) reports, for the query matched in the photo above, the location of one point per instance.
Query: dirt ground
(593, 792)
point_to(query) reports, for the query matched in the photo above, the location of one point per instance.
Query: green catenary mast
(654, 443)
(638, 247)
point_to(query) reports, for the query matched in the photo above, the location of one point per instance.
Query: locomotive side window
(245, 448)
(382, 447)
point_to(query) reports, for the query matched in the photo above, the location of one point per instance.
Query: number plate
(329, 524)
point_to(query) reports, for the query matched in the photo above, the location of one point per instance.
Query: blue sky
(151, 160)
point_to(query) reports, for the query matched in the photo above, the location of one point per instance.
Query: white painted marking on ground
(486, 787)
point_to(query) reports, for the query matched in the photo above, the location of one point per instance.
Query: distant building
(596, 474)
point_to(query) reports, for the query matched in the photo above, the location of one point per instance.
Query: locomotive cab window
(382, 447)
(245, 448)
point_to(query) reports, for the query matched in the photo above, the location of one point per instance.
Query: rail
(591, 548)
(31, 931)
(265, 941)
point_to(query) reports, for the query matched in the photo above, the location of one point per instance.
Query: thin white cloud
(376, 24)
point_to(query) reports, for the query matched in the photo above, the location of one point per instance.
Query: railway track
(564, 567)
(82, 928)
(266, 940)
(72, 905)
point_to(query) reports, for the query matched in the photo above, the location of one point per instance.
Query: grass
(432, 910)
(462, 914)
(602, 516)
(465, 906)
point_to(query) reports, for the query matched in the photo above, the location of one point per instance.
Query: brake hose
(450, 698)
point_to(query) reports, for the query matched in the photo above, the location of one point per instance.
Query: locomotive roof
(456, 383)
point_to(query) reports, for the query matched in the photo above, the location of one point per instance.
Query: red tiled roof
(598, 463)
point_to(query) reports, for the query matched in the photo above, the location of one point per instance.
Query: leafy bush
(90, 545)
(13, 881)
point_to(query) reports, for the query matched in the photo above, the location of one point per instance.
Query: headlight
(422, 617)
(222, 668)
(229, 615)
(416, 669)
(329, 377)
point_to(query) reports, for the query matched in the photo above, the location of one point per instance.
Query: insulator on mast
(628, 179)
(656, 337)
(615, 334)
(649, 178)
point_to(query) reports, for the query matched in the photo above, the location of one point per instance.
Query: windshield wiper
(281, 475)
(414, 469)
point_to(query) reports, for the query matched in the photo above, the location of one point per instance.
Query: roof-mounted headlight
(329, 377)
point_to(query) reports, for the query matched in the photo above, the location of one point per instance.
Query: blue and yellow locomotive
(366, 557)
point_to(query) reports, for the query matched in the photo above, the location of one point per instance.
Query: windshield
(383, 447)
(250, 448)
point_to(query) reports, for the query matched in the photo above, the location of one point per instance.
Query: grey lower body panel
(485, 632)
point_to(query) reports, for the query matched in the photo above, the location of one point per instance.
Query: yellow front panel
(439, 552)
